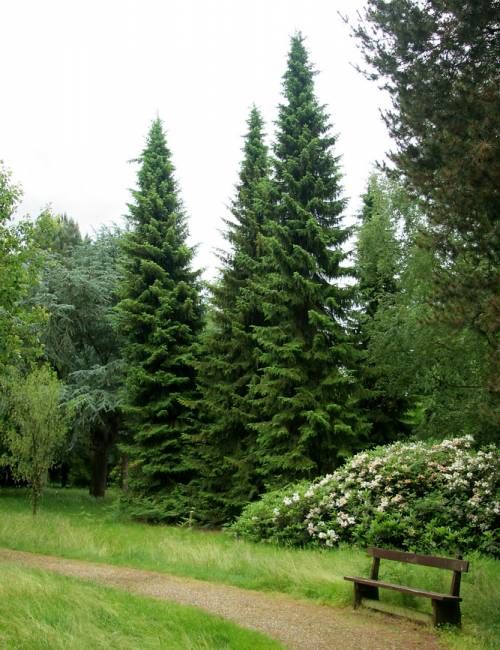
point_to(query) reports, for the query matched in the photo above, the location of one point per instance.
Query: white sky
(82, 79)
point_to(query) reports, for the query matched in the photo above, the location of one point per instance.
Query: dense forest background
(317, 339)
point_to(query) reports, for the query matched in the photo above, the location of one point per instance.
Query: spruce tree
(304, 397)
(228, 363)
(160, 317)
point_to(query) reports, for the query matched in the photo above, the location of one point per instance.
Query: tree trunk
(124, 472)
(36, 491)
(99, 465)
(64, 474)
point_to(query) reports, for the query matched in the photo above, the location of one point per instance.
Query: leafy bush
(416, 496)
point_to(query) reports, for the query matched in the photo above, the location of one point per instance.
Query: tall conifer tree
(160, 317)
(304, 396)
(228, 363)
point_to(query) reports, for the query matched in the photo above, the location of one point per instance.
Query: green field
(73, 525)
(41, 611)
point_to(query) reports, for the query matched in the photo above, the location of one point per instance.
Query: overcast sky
(82, 80)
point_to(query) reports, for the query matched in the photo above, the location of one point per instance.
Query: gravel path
(298, 624)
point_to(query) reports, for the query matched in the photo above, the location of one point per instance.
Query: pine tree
(304, 396)
(160, 317)
(227, 366)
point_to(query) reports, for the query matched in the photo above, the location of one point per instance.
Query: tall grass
(40, 611)
(71, 524)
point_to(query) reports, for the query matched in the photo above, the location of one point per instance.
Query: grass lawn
(39, 610)
(73, 525)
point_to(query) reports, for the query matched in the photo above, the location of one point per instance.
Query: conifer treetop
(156, 214)
(307, 173)
(248, 205)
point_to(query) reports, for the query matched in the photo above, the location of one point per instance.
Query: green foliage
(40, 610)
(416, 496)
(78, 291)
(439, 62)
(417, 373)
(304, 394)
(437, 370)
(18, 273)
(159, 317)
(36, 428)
(56, 234)
(380, 258)
(227, 366)
(378, 251)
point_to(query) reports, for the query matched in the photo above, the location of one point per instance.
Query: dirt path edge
(298, 624)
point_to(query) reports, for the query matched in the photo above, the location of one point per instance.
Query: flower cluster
(419, 496)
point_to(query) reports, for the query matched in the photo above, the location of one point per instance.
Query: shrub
(416, 496)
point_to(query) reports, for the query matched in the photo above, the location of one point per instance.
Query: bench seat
(433, 595)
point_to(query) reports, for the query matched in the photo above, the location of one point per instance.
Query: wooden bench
(445, 607)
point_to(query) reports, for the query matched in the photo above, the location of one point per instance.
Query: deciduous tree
(36, 428)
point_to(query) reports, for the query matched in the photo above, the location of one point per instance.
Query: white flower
(384, 502)
(311, 528)
(345, 520)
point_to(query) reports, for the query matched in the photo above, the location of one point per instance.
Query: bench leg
(446, 612)
(364, 591)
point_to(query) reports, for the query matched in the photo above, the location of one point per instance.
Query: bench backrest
(457, 565)
(453, 564)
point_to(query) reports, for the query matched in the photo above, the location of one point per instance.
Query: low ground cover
(73, 525)
(42, 611)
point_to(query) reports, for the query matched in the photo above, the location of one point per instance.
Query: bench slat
(452, 564)
(405, 590)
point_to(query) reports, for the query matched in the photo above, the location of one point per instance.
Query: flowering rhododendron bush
(417, 496)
